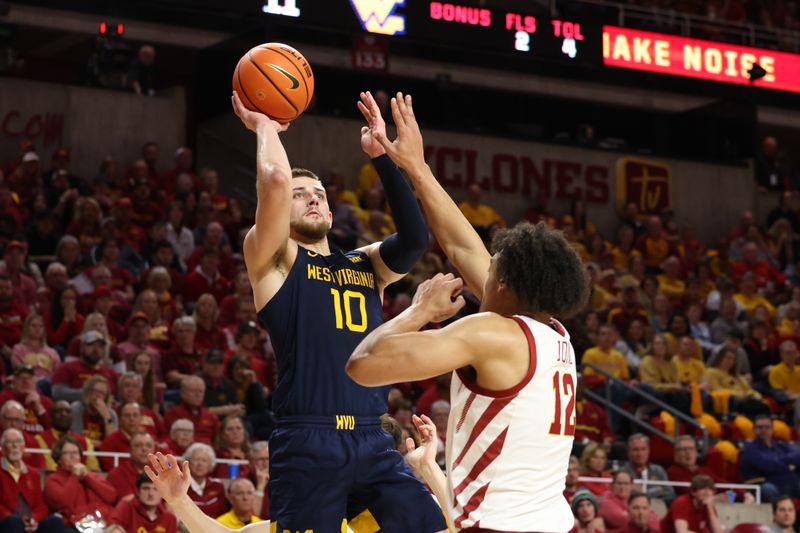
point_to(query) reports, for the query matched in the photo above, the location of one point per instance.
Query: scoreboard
(451, 25)
(515, 31)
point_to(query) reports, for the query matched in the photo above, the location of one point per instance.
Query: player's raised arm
(270, 234)
(452, 230)
(397, 254)
(172, 483)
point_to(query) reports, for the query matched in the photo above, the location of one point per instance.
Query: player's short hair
(542, 268)
(304, 173)
(702, 482)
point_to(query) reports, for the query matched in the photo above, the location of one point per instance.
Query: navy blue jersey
(325, 308)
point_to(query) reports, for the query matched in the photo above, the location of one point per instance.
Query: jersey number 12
(344, 300)
(569, 414)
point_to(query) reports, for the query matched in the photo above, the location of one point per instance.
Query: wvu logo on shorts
(378, 16)
(347, 422)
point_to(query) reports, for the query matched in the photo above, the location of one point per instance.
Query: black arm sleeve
(401, 250)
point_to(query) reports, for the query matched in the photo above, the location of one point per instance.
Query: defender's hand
(435, 297)
(375, 126)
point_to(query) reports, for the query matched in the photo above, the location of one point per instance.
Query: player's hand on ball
(374, 128)
(170, 480)
(251, 119)
(407, 151)
(426, 453)
(438, 298)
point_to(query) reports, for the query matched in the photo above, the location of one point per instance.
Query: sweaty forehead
(304, 182)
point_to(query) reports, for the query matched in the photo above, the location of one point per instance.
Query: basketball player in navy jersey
(329, 457)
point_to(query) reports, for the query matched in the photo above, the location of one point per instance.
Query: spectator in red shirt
(12, 416)
(685, 467)
(145, 512)
(95, 322)
(440, 390)
(121, 278)
(86, 225)
(184, 158)
(22, 507)
(24, 285)
(93, 416)
(614, 504)
(591, 420)
(594, 461)
(159, 281)
(640, 512)
(767, 277)
(37, 406)
(130, 389)
(205, 277)
(214, 236)
(694, 511)
(145, 211)
(147, 302)
(183, 360)
(208, 335)
(32, 349)
(139, 341)
(125, 475)
(63, 321)
(69, 378)
(232, 442)
(206, 423)
(102, 300)
(130, 423)
(12, 314)
(228, 306)
(10, 215)
(250, 392)
(55, 279)
(259, 475)
(258, 351)
(73, 491)
(181, 436)
(207, 493)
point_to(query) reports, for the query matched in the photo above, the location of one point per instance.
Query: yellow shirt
(673, 341)
(611, 361)
(751, 302)
(781, 377)
(661, 375)
(622, 260)
(786, 327)
(367, 178)
(590, 228)
(601, 298)
(738, 386)
(672, 288)
(232, 521)
(689, 371)
(482, 216)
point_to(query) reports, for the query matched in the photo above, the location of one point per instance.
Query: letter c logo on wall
(378, 16)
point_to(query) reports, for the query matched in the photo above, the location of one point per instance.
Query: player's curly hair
(542, 268)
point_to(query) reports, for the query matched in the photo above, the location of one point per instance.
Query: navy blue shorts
(321, 476)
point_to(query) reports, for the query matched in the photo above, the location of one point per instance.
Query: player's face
(310, 216)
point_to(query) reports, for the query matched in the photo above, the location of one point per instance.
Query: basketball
(274, 79)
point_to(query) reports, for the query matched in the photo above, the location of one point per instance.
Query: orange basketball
(274, 79)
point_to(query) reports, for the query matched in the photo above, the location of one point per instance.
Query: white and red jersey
(508, 451)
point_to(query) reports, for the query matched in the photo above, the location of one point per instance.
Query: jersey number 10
(569, 414)
(344, 300)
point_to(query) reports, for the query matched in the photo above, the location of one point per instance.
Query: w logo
(377, 16)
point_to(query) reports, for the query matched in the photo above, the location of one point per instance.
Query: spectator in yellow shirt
(481, 216)
(669, 282)
(577, 218)
(785, 376)
(605, 357)
(241, 493)
(748, 298)
(658, 374)
(690, 368)
(729, 388)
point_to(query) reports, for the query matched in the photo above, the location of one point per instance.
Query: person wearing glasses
(773, 464)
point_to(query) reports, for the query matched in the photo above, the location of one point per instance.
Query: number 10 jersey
(508, 451)
(325, 308)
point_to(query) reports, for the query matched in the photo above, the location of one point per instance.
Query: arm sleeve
(401, 250)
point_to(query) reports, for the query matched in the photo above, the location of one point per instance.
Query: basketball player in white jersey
(512, 419)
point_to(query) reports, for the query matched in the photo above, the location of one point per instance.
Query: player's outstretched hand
(375, 126)
(171, 481)
(407, 151)
(426, 453)
(438, 298)
(251, 119)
